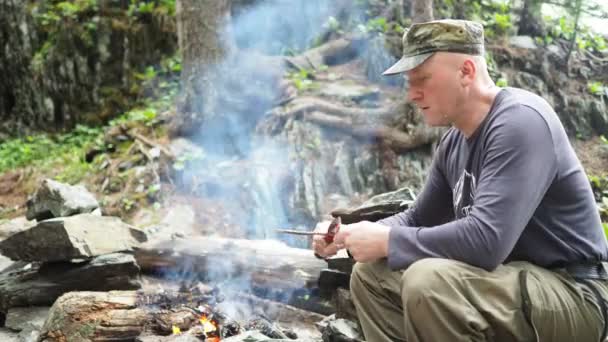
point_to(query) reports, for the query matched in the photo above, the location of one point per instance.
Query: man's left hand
(366, 241)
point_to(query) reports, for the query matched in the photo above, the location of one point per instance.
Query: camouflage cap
(421, 40)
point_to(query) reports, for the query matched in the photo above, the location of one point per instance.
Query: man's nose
(414, 95)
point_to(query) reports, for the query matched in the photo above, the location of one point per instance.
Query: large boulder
(14, 226)
(54, 199)
(40, 284)
(76, 237)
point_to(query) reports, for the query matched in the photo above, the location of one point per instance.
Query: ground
(17, 185)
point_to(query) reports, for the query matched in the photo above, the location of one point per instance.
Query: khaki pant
(440, 300)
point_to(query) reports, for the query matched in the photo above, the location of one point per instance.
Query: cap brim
(407, 63)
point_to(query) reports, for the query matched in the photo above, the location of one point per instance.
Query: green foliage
(51, 13)
(380, 25)
(146, 115)
(142, 7)
(79, 18)
(333, 25)
(502, 82)
(599, 184)
(187, 159)
(44, 149)
(596, 88)
(563, 27)
(496, 17)
(303, 79)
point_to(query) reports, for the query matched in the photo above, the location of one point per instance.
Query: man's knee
(429, 275)
(365, 275)
(361, 274)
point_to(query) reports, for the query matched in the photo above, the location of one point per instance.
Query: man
(504, 242)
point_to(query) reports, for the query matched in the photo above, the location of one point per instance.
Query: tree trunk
(422, 10)
(531, 20)
(203, 29)
(460, 9)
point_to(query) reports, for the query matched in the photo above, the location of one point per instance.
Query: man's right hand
(319, 245)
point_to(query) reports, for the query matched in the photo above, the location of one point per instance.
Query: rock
(31, 284)
(173, 338)
(345, 308)
(4, 262)
(179, 219)
(249, 336)
(532, 83)
(330, 280)
(557, 51)
(599, 116)
(341, 330)
(8, 336)
(54, 199)
(16, 225)
(28, 336)
(266, 327)
(350, 91)
(378, 207)
(26, 318)
(182, 147)
(75, 237)
(524, 42)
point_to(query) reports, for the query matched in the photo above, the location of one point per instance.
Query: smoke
(252, 175)
(248, 172)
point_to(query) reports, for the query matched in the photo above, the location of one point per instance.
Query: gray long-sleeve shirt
(514, 190)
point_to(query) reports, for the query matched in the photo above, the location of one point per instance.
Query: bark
(531, 20)
(353, 122)
(205, 41)
(422, 10)
(577, 14)
(95, 316)
(397, 140)
(460, 9)
(335, 52)
(268, 264)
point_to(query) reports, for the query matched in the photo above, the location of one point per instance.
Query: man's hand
(319, 245)
(366, 241)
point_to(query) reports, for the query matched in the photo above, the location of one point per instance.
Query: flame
(176, 330)
(208, 325)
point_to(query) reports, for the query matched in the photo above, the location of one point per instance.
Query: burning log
(95, 316)
(268, 264)
(131, 315)
(122, 316)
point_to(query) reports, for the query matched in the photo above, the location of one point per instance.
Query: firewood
(267, 263)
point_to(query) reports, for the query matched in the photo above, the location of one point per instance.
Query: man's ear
(468, 71)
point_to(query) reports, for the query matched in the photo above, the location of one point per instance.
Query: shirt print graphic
(464, 194)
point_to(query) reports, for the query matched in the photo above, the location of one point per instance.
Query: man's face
(435, 87)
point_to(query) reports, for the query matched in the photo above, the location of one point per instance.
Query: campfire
(195, 310)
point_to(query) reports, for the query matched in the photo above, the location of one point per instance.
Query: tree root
(397, 140)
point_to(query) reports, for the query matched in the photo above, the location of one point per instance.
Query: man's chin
(435, 122)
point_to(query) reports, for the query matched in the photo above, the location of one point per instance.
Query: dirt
(12, 194)
(593, 154)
